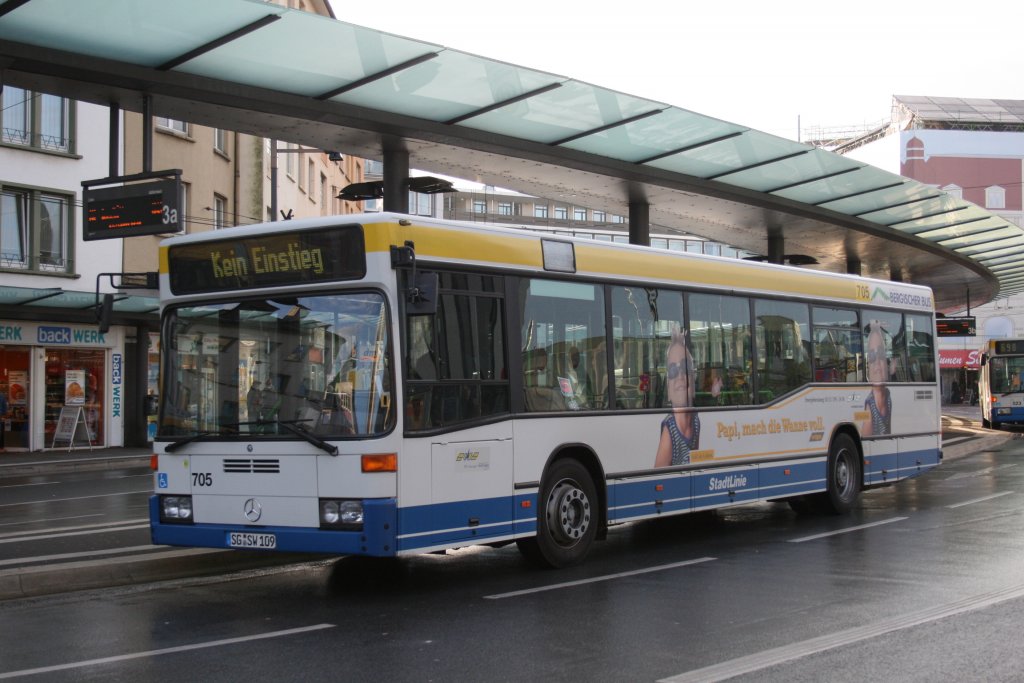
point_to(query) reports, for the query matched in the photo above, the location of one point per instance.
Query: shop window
(74, 379)
(14, 394)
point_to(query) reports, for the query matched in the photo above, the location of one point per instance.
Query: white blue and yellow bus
(384, 385)
(1000, 390)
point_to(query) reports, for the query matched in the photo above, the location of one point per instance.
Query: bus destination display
(1009, 347)
(956, 327)
(131, 210)
(326, 254)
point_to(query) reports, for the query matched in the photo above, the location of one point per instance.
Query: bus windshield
(1006, 374)
(266, 367)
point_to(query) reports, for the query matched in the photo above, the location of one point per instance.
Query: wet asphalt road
(925, 581)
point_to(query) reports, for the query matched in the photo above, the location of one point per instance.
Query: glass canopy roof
(253, 43)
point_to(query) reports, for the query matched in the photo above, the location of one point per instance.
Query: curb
(82, 465)
(984, 440)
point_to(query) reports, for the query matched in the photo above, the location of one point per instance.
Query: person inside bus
(680, 430)
(879, 401)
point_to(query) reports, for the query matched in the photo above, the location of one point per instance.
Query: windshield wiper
(175, 445)
(303, 434)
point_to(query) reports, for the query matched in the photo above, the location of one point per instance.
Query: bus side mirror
(421, 295)
(984, 359)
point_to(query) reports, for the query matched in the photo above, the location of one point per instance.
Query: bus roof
(468, 243)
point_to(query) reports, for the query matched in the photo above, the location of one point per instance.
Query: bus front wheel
(567, 518)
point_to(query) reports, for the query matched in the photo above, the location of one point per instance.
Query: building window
(479, 206)
(34, 230)
(599, 216)
(995, 197)
(954, 191)
(311, 178)
(618, 219)
(290, 157)
(421, 204)
(171, 125)
(579, 214)
(561, 213)
(540, 210)
(36, 120)
(504, 208)
(219, 212)
(325, 202)
(220, 140)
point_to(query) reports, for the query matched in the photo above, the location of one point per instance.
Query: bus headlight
(341, 514)
(1003, 411)
(176, 509)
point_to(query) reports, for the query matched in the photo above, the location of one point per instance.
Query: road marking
(164, 651)
(42, 537)
(37, 483)
(62, 500)
(48, 519)
(788, 653)
(979, 473)
(980, 500)
(596, 579)
(60, 529)
(847, 530)
(72, 556)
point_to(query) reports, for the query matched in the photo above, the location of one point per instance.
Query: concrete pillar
(640, 223)
(396, 173)
(776, 246)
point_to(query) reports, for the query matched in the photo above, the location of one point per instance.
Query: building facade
(57, 371)
(63, 383)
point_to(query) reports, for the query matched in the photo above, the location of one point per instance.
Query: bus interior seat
(539, 393)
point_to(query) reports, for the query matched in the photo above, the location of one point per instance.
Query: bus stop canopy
(263, 69)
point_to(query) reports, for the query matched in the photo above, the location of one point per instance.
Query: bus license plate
(264, 541)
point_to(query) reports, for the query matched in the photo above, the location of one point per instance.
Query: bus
(385, 385)
(999, 383)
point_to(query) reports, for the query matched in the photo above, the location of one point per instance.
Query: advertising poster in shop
(19, 388)
(74, 387)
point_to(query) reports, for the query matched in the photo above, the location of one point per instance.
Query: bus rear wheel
(567, 518)
(844, 476)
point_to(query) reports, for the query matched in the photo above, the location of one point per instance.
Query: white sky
(759, 64)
